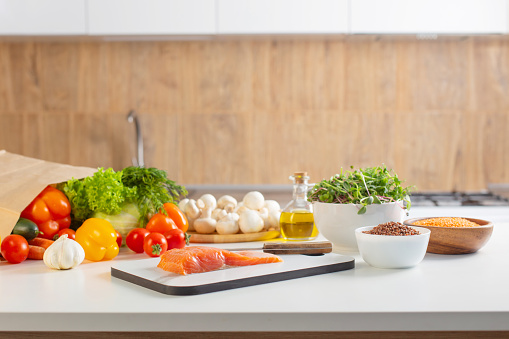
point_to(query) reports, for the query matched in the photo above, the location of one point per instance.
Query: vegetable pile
(136, 191)
(91, 217)
(372, 185)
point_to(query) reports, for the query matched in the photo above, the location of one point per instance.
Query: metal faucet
(139, 160)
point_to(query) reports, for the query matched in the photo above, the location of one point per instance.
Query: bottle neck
(300, 191)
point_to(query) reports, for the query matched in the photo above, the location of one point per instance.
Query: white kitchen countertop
(443, 293)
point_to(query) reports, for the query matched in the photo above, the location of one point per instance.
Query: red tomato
(177, 216)
(134, 239)
(160, 223)
(175, 238)
(155, 244)
(14, 248)
(64, 222)
(49, 229)
(71, 234)
(119, 239)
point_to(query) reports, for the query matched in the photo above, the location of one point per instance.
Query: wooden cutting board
(240, 237)
(145, 273)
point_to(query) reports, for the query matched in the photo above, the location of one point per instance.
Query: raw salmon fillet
(199, 259)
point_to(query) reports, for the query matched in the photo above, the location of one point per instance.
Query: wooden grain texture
(248, 111)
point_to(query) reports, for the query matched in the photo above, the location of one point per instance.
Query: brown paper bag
(23, 178)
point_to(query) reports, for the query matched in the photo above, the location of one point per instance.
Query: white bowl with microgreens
(353, 199)
(338, 222)
(392, 251)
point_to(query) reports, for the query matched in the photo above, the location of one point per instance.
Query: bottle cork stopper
(299, 176)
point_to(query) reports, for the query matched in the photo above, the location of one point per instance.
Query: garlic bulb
(64, 254)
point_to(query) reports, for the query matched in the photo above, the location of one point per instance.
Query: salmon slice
(199, 259)
(192, 260)
(246, 258)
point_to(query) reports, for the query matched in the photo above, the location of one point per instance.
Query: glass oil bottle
(297, 221)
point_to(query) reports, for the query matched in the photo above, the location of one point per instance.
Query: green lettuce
(134, 191)
(103, 192)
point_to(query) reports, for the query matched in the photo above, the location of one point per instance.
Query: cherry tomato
(175, 238)
(71, 234)
(119, 239)
(48, 229)
(15, 248)
(64, 222)
(160, 223)
(134, 239)
(177, 216)
(155, 244)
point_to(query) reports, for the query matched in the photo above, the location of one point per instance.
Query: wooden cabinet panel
(253, 112)
(42, 17)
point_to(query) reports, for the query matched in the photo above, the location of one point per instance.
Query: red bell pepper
(50, 210)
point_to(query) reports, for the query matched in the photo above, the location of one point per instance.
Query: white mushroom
(218, 213)
(228, 224)
(205, 224)
(191, 209)
(209, 201)
(235, 216)
(274, 217)
(250, 222)
(254, 200)
(227, 202)
(183, 203)
(192, 212)
(272, 205)
(240, 208)
(264, 214)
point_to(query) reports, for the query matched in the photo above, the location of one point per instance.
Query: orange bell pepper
(51, 212)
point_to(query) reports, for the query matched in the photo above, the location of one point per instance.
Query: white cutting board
(145, 273)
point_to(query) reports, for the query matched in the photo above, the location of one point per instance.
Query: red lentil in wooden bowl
(454, 235)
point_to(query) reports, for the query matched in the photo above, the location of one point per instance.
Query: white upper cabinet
(42, 17)
(429, 16)
(132, 18)
(282, 16)
(151, 17)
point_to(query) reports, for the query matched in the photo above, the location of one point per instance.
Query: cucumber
(26, 228)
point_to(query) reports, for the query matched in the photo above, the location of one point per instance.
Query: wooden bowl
(456, 240)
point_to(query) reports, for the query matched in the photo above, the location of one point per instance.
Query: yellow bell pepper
(98, 238)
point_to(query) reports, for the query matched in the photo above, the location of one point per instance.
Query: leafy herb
(109, 192)
(372, 185)
(153, 189)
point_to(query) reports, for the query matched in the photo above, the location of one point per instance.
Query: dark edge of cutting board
(231, 284)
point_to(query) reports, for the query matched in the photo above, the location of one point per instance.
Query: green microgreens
(372, 185)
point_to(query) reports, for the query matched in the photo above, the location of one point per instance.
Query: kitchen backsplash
(254, 111)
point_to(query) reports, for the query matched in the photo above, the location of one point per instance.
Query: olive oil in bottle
(297, 221)
(297, 225)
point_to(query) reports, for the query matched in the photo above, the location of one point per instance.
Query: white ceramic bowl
(390, 251)
(337, 222)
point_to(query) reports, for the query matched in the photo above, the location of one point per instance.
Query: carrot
(35, 252)
(37, 241)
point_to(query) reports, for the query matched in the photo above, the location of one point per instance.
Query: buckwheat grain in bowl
(392, 244)
(454, 235)
(392, 228)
